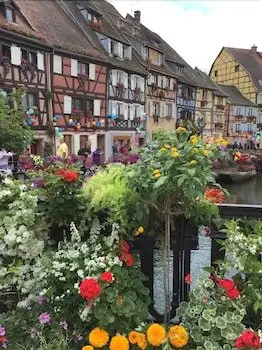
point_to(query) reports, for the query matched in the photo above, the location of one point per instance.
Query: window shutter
(150, 108)
(16, 55)
(159, 80)
(97, 104)
(162, 109)
(132, 82)
(92, 71)
(76, 143)
(108, 41)
(142, 84)
(73, 67)
(173, 110)
(113, 107)
(126, 111)
(67, 104)
(120, 50)
(40, 61)
(126, 80)
(57, 64)
(131, 117)
(171, 84)
(164, 82)
(114, 77)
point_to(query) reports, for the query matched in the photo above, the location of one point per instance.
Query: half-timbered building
(126, 76)
(24, 59)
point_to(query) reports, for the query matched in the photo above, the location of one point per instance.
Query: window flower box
(96, 25)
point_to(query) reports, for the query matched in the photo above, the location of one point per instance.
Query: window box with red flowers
(96, 25)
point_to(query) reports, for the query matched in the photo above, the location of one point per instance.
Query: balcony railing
(126, 124)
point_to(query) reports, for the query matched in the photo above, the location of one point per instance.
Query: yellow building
(210, 105)
(241, 68)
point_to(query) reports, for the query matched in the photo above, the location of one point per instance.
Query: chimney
(254, 48)
(137, 16)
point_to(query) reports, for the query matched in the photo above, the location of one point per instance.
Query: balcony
(126, 124)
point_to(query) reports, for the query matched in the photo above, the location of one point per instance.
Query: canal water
(249, 192)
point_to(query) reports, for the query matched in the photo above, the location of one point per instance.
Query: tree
(15, 136)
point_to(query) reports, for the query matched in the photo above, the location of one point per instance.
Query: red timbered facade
(79, 100)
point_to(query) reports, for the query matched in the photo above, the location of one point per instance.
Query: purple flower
(44, 318)
(41, 300)
(64, 325)
(2, 331)
(33, 333)
(38, 183)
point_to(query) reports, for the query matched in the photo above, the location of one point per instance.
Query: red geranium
(90, 289)
(106, 277)
(214, 195)
(233, 293)
(248, 339)
(188, 278)
(226, 284)
(127, 258)
(68, 175)
(229, 286)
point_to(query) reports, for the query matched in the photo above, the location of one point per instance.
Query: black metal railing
(184, 239)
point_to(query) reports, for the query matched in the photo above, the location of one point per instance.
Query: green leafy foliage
(15, 136)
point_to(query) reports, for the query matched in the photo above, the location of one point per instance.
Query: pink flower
(44, 318)
(188, 278)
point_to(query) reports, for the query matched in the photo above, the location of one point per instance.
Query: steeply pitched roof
(235, 97)
(51, 23)
(108, 30)
(251, 60)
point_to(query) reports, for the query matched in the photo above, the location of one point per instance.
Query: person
(86, 150)
(62, 149)
(115, 148)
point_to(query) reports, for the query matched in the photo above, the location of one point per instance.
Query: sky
(198, 30)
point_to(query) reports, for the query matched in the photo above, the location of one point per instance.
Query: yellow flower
(167, 146)
(208, 146)
(194, 150)
(157, 175)
(141, 229)
(178, 336)
(98, 338)
(156, 171)
(133, 337)
(175, 154)
(181, 129)
(88, 347)
(156, 334)
(194, 139)
(163, 149)
(205, 153)
(119, 342)
(174, 149)
(193, 162)
(142, 342)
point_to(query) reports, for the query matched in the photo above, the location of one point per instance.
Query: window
(29, 101)
(238, 127)
(168, 110)
(114, 47)
(219, 100)
(85, 106)
(215, 73)
(249, 127)
(10, 14)
(6, 51)
(237, 68)
(153, 79)
(158, 60)
(29, 56)
(119, 77)
(137, 82)
(167, 83)
(118, 108)
(156, 109)
(144, 52)
(136, 111)
(78, 103)
(82, 68)
(250, 111)
(204, 95)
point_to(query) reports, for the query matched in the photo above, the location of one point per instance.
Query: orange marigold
(88, 347)
(133, 337)
(142, 342)
(177, 336)
(119, 342)
(98, 338)
(156, 334)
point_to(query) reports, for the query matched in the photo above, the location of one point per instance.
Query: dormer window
(144, 52)
(8, 12)
(89, 16)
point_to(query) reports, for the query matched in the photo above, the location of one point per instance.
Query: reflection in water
(248, 192)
